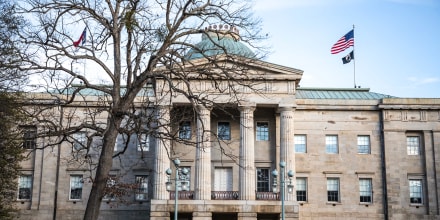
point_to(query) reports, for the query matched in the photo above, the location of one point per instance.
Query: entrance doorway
(181, 216)
(224, 216)
(268, 216)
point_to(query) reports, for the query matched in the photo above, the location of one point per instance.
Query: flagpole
(354, 62)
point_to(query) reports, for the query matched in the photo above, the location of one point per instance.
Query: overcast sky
(397, 43)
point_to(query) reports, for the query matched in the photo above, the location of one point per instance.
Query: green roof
(215, 44)
(339, 93)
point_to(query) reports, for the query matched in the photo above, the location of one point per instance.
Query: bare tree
(127, 45)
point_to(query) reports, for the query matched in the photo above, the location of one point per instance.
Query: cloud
(423, 81)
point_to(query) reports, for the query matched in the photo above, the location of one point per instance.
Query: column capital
(286, 109)
(249, 107)
(204, 107)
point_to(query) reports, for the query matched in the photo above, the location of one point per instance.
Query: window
(333, 189)
(122, 142)
(185, 130)
(142, 188)
(80, 141)
(415, 191)
(143, 142)
(223, 179)
(29, 137)
(150, 89)
(301, 189)
(262, 131)
(363, 143)
(300, 143)
(365, 190)
(25, 187)
(109, 191)
(76, 185)
(331, 144)
(263, 181)
(413, 145)
(224, 131)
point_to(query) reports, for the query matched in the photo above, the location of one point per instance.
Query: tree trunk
(104, 165)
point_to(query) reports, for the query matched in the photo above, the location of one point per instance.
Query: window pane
(413, 145)
(76, 184)
(110, 189)
(301, 189)
(263, 180)
(143, 142)
(29, 137)
(150, 90)
(415, 191)
(224, 131)
(185, 130)
(25, 187)
(262, 131)
(223, 179)
(365, 190)
(80, 140)
(121, 142)
(333, 190)
(331, 144)
(300, 143)
(363, 143)
(142, 190)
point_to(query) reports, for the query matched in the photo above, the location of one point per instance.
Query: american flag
(82, 39)
(343, 43)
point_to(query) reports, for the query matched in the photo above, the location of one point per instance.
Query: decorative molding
(404, 115)
(423, 115)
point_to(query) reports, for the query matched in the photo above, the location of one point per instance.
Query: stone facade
(355, 155)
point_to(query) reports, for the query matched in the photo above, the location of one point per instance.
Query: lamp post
(282, 182)
(180, 183)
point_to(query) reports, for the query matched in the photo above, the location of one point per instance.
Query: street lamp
(180, 183)
(282, 182)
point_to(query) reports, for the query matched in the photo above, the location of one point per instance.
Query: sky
(397, 43)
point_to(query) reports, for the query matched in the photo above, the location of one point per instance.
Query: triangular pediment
(227, 79)
(253, 69)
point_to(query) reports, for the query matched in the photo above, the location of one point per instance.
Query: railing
(224, 195)
(183, 195)
(270, 196)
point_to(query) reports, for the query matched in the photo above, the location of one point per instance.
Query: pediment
(243, 67)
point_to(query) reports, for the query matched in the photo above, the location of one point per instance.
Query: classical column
(247, 154)
(203, 155)
(162, 162)
(287, 146)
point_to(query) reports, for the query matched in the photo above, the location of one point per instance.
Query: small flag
(348, 58)
(82, 39)
(343, 43)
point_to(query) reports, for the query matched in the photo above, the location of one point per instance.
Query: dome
(216, 40)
